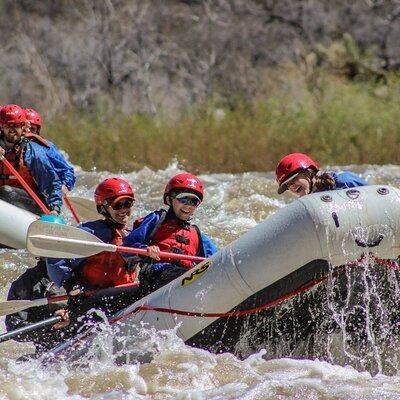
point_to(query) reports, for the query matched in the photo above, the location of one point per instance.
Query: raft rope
(241, 313)
(391, 264)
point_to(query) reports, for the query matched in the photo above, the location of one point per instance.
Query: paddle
(71, 208)
(85, 208)
(61, 241)
(13, 306)
(15, 333)
(25, 186)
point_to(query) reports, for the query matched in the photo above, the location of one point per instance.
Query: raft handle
(375, 243)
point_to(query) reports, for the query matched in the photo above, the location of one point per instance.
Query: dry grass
(337, 122)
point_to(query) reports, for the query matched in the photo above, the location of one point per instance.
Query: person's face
(300, 186)
(121, 210)
(13, 132)
(185, 207)
(33, 128)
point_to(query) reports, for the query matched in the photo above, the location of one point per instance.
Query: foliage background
(220, 85)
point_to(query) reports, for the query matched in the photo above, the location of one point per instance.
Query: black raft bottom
(350, 318)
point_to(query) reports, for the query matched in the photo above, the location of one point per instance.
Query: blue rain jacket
(45, 165)
(347, 179)
(64, 169)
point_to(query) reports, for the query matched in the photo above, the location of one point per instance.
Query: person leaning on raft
(36, 159)
(63, 169)
(170, 231)
(301, 175)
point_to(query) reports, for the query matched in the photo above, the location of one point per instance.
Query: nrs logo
(196, 274)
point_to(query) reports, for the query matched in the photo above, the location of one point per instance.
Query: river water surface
(234, 203)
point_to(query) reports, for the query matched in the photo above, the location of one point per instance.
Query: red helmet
(12, 113)
(112, 187)
(33, 116)
(290, 166)
(184, 182)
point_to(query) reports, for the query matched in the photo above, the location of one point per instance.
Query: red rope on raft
(241, 313)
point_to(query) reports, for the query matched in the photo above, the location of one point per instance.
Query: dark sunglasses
(122, 204)
(189, 201)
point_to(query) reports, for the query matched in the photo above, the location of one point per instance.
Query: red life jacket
(16, 158)
(175, 237)
(107, 269)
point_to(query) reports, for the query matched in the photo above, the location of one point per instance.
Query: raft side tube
(294, 236)
(308, 235)
(14, 223)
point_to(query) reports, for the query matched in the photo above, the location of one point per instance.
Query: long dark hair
(325, 181)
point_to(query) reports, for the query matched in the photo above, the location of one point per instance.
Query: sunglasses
(189, 201)
(122, 204)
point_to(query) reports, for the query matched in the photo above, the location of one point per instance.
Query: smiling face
(121, 210)
(182, 211)
(300, 185)
(13, 132)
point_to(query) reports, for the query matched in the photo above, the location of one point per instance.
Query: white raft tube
(14, 223)
(336, 226)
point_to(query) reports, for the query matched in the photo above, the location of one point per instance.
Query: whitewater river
(233, 205)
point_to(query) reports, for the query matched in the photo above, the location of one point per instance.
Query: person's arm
(209, 248)
(62, 270)
(139, 236)
(63, 168)
(48, 182)
(347, 179)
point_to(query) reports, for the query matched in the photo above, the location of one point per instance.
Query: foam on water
(233, 204)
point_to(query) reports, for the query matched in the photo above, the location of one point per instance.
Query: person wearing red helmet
(114, 199)
(63, 168)
(301, 175)
(171, 230)
(33, 157)
(34, 119)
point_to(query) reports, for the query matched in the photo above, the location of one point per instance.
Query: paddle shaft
(163, 254)
(25, 186)
(71, 208)
(98, 247)
(62, 241)
(38, 325)
(13, 306)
